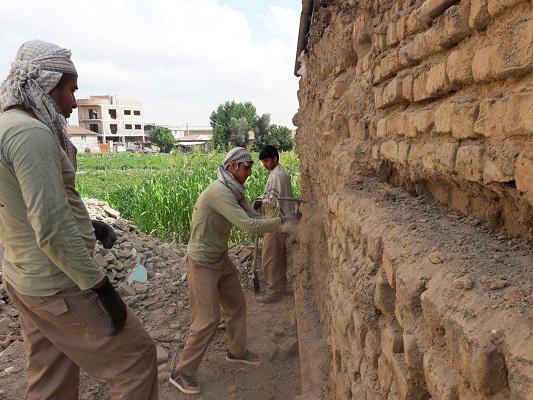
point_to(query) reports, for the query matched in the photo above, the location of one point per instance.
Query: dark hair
(269, 152)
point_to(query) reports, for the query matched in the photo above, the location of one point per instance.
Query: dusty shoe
(187, 384)
(248, 358)
(269, 298)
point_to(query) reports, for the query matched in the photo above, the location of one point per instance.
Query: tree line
(232, 122)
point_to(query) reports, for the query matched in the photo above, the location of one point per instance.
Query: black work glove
(112, 306)
(257, 204)
(104, 233)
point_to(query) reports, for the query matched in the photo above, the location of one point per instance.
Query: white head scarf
(37, 69)
(235, 155)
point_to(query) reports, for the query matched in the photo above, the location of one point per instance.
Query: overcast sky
(181, 58)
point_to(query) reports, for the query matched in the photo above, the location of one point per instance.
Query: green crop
(158, 192)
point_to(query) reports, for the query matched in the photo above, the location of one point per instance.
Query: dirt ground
(269, 326)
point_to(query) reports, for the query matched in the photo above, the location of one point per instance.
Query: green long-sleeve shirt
(44, 225)
(215, 212)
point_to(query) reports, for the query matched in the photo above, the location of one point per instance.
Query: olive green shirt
(44, 225)
(215, 212)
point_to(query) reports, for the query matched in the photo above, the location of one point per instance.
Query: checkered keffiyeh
(236, 155)
(37, 69)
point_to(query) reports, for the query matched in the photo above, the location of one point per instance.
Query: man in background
(274, 256)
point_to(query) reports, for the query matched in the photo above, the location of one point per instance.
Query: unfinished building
(415, 132)
(115, 121)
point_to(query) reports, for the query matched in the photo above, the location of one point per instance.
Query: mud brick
(339, 89)
(381, 129)
(459, 66)
(498, 171)
(389, 150)
(491, 117)
(390, 64)
(424, 121)
(440, 376)
(413, 355)
(445, 156)
(443, 118)
(437, 82)
(483, 63)
(372, 348)
(384, 374)
(378, 97)
(479, 14)
(419, 87)
(401, 27)
(375, 152)
(393, 93)
(408, 388)
(395, 125)
(407, 87)
(469, 162)
(429, 160)
(464, 118)
(392, 34)
(453, 27)
(362, 28)
(496, 7)
(416, 155)
(524, 173)
(417, 22)
(403, 152)
(391, 341)
(360, 330)
(384, 295)
(518, 118)
(430, 311)
(374, 248)
(488, 371)
(389, 268)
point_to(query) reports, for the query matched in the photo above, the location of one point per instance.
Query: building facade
(113, 120)
(84, 139)
(179, 131)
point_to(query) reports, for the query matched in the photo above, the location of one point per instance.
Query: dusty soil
(162, 306)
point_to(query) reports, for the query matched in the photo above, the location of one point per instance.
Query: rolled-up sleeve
(37, 167)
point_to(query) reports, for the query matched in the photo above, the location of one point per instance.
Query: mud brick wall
(415, 132)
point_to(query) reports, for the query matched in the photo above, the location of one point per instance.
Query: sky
(181, 58)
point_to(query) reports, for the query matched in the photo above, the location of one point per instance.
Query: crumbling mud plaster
(415, 132)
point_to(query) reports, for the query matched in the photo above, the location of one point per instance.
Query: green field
(158, 192)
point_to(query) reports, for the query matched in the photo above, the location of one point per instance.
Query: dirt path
(272, 333)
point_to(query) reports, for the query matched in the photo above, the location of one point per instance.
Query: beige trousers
(275, 262)
(212, 286)
(65, 332)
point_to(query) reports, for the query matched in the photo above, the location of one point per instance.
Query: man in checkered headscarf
(70, 314)
(38, 68)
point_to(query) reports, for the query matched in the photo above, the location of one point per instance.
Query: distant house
(179, 131)
(83, 139)
(189, 142)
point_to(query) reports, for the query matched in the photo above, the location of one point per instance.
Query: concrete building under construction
(116, 121)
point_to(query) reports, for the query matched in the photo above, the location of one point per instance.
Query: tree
(221, 118)
(238, 132)
(261, 131)
(163, 138)
(281, 137)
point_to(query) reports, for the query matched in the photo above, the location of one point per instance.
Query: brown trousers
(212, 286)
(65, 332)
(275, 261)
